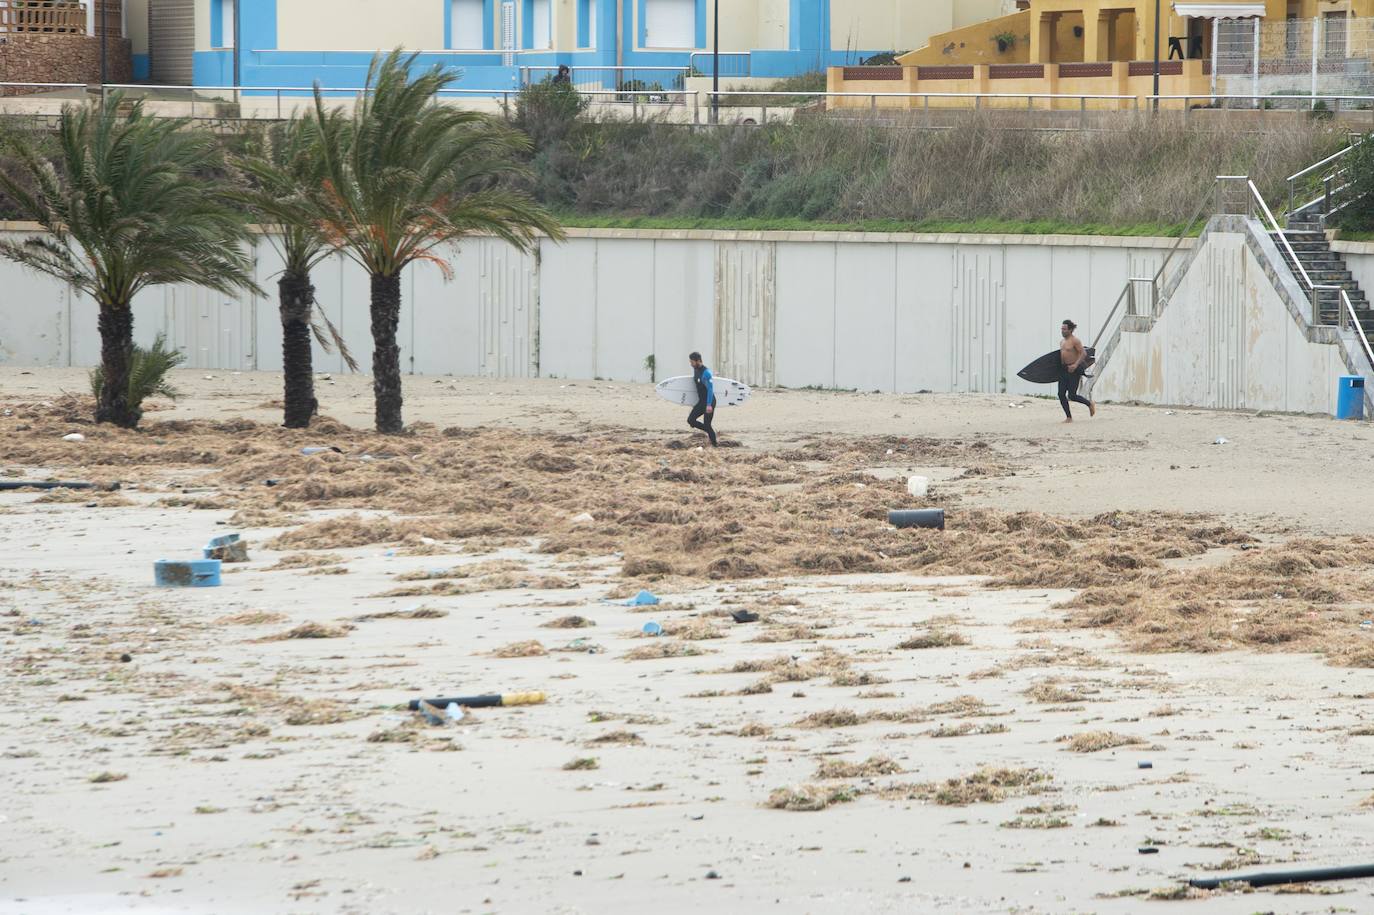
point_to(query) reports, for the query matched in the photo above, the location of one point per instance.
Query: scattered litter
(490, 701)
(917, 487)
(921, 517)
(1220, 441)
(73, 437)
(584, 518)
(430, 713)
(189, 573)
(744, 616)
(454, 712)
(228, 548)
(642, 599)
(125, 658)
(652, 628)
(320, 449)
(1148, 850)
(1170, 412)
(1367, 624)
(1144, 764)
(712, 875)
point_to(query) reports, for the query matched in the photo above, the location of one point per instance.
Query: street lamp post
(715, 64)
(104, 40)
(1156, 105)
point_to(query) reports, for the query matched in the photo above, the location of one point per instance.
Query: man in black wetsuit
(706, 398)
(1073, 360)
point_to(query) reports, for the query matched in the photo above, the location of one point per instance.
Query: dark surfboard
(1045, 370)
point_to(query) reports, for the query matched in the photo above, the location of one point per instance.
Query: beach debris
(652, 628)
(642, 599)
(51, 484)
(496, 700)
(1148, 850)
(430, 713)
(1220, 441)
(189, 573)
(1278, 878)
(583, 518)
(1144, 764)
(320, 449)
(917, 486)
(744, 616)
(73, 437)
(227, 548)
(921, 517)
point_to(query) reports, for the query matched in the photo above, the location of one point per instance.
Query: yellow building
(1094, 31)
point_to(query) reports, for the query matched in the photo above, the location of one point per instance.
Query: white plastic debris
(73, 437)
(584, 518)
(1220, 441)
(918, 487)
(209, 377)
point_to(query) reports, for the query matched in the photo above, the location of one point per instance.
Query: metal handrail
(1164, 265)
(1274, 227)
(1334, 157)
(1359, 328)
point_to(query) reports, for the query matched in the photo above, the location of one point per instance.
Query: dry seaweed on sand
(832, 718)
(869, 768)
(293, 561)
(309, 631)
(527, 649)
(810, 797)
(250, 618)
(987, 785)
(568, 622)
(936, 638)
(661, 648)
(318, 711)
(1096, 741)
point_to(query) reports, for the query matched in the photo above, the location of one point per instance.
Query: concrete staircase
(1325, 267)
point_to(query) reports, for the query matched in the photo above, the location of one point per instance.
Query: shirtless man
(1072, 357)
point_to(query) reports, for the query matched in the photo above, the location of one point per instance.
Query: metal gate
(507, 311)
(171, 41)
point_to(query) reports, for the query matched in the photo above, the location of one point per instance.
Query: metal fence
(733, 64)
(621, 79)
(1257, 60)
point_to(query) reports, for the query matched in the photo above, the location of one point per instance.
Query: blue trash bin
(1350, 397)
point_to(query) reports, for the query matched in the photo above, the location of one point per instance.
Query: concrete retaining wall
(845, 310)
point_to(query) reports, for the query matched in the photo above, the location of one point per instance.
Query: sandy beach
(1133, 657)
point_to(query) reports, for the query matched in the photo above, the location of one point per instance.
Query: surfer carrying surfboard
(706, 398)
(1072, 363)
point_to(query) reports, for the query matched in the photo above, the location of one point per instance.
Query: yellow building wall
(359, 25)
(976, 44)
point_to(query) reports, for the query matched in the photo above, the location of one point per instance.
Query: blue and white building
(496, 43)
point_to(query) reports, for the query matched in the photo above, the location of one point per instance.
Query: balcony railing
(50, 16)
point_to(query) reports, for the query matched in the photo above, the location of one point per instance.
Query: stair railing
(1348, 315)
(1328, 181)
(1128, 292)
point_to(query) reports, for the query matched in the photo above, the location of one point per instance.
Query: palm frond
(148, 369)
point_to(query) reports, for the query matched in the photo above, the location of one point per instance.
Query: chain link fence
(1273, 64)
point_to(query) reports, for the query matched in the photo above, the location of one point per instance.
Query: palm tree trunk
(386, 355)
(116, 323)
(296, 297)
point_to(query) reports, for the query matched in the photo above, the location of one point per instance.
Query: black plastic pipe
(917, 517)
(55, 484)
(1274, 878)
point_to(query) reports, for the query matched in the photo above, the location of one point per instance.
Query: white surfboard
(682, 391)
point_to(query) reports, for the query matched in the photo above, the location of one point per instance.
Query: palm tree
(278, 174)
(130, 202)
(405, 176)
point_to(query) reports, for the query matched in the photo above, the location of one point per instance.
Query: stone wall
(61, 58)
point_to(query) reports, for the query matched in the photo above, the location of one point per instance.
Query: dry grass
(305, 561)
(101, 778)
(1096, 741)
(1050, 692)
(810, 797)
(833, 718)
(528, 649)
(418, 613)
(581, 764)
(301, 712)
(616, 737)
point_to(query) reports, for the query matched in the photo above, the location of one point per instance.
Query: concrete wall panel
(805, 315)
(684, 312)
(866, 316)
(567, 309)
(924, 326)
(624, 308)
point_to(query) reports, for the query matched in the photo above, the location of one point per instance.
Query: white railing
(733, 64)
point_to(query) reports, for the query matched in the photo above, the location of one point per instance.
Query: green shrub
(147, 374)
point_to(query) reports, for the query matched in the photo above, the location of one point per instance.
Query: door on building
(670, 23)
(465, 25)
(171, 41)
(543, 24)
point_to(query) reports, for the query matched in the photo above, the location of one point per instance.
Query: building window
(586, 23)
(669, 23)
(466, 28)
(537, 28)
(222, 23)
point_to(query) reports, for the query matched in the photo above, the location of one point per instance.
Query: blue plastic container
(1350, 397)
(186, 573)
